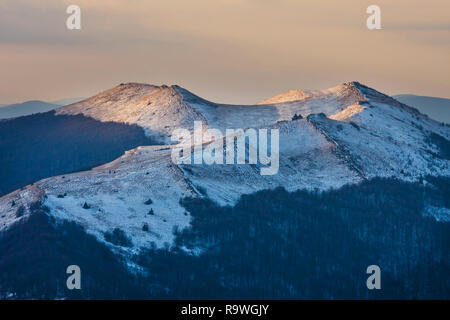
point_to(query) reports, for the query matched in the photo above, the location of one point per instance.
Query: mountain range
(104, 163)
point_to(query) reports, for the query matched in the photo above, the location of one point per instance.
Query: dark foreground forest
(272, 244)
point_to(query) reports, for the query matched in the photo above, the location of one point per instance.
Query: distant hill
(26, 108)
(436, 108)
(32, 107)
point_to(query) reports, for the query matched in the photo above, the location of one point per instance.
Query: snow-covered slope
(116, 195)
(307, 161)
(347, 134)
(383, 137)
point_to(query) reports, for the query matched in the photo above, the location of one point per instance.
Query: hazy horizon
(234, 51)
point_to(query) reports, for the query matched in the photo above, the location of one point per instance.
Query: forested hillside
(272, 244)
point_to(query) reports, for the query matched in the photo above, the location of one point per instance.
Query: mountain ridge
(161, 109)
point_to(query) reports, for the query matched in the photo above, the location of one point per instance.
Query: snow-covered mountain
(328, 138)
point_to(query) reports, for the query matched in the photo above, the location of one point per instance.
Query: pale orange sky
(234, 51)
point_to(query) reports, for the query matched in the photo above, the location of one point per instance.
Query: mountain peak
(351, 89)
(363, 89)
(287, 96)
(351, 86)
(157, 109)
